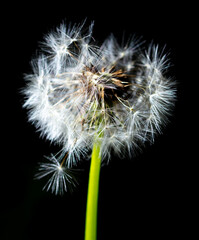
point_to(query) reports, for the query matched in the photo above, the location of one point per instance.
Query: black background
(147, 195)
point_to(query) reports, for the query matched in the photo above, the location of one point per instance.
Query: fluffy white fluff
(61, 178)
(78, 91)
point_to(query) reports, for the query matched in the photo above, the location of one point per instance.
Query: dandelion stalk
(92, 197)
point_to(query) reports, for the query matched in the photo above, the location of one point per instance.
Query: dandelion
(101, 98)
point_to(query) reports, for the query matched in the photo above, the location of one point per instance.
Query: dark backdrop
(142, 196)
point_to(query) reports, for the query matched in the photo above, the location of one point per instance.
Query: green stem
(92, 197)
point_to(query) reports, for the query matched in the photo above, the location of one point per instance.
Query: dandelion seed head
(78, 91)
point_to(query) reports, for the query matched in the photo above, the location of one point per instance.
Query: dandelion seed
(79, 91)
(60, 178)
